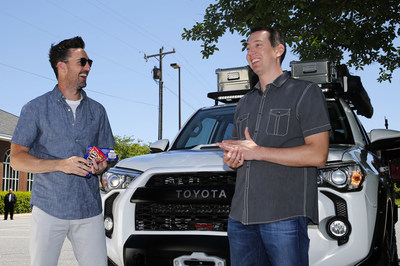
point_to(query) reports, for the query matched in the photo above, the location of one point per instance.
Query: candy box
(95, 153)
(100, 154)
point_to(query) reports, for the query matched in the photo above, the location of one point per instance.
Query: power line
(129, 23)
(96, 27)
(25, 71)
(108, 59)
(120, 17)
(124, 20)
(28, 23)
(54, 80)
(124, 99)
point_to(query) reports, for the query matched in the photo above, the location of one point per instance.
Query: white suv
(171, 207)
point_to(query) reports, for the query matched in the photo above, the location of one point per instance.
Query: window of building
(10, 176)
(30, 182)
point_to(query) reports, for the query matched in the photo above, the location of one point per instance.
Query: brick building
(9, 178)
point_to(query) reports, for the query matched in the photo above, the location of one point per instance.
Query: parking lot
(14, 243)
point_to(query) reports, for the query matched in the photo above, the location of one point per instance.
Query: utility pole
(177, 66)
(160, 93)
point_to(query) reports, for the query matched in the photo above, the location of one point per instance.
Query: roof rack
(233, 83)
(335, 82)
(227, 96)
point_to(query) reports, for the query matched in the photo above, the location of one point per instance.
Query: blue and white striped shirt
(47, 126)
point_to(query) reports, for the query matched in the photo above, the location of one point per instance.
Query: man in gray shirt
(281, 135)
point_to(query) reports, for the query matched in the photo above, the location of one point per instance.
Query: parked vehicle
(171, 207)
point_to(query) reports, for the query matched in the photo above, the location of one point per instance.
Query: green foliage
(396, 190)
(129, 147)
(324, 29)
(23, 202)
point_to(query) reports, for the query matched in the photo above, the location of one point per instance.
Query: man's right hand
(22, 160)
(232, 155)
(76, 165)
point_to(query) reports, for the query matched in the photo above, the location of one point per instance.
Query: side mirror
(386, 143)
(384, 140)
(159, 146)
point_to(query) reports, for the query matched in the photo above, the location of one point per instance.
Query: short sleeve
(27, 129)
(106, 138)
(313, 112)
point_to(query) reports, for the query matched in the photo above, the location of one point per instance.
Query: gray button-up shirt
(47, 126)
(287, 112)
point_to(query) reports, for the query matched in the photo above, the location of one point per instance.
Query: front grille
(188, 201)
(192, 179)
(341, 208)
(339, 203)
(178, 217)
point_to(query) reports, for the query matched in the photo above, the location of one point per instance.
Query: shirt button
(77, 140)
(69, 110)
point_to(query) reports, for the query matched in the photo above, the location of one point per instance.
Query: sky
(118, 34)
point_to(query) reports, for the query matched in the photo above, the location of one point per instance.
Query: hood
(210, 157)
(341, 153)
(178, 158)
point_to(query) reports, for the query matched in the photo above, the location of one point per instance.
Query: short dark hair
(275, 38)
(60, 51)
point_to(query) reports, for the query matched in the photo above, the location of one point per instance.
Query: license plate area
(198, 259)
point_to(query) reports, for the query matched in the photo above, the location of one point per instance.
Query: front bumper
(155, 250)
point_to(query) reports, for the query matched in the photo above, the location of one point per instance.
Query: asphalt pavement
(14, 243)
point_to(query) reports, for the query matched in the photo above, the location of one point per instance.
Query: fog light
(108, 223)
(338, 228)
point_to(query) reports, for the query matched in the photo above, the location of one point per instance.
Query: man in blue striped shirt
(51, 139)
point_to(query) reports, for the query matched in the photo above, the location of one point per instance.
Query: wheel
(388, 253)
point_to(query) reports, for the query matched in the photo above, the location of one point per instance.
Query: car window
(340, 133)
(207, 126)
(212, 125)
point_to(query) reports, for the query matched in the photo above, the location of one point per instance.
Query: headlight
(343, 177)
(117, 179)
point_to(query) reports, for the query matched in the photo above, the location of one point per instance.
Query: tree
(129, 147)
(365, 30)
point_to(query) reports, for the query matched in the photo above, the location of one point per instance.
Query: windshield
(340, 133)
(212, 125)
(207, 126)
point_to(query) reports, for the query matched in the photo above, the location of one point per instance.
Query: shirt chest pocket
(241, 124)
(278, 122)
(89, 130)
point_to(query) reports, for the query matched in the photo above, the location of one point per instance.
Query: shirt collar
(59, 95)
(278, 82)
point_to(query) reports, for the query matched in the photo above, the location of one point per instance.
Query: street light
(177, 66)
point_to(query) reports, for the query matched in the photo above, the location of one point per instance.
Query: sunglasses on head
(82, 61)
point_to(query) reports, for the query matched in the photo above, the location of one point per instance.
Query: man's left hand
(98, 168)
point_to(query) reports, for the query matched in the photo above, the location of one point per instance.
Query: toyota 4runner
(170, 207)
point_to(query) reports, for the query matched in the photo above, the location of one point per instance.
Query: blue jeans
(276, 244)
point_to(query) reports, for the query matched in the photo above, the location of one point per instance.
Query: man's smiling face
(261, 56)
(77, 74)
